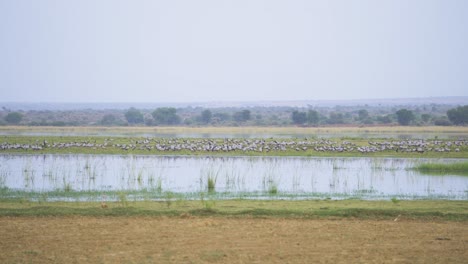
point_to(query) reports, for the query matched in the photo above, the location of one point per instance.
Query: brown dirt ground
(229, 240)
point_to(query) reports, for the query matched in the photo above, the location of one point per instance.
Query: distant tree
(404, 116)
(363, 114)
(246, 115)
(134, 116)
(299, 118)
(442, 122)
(336, 118)
(58, 123)
(242, 116)
(149, 120)
(368, 121)
(206, 116)
(13, 118)
(425, 117)
(259, 121)
(108, 120)
(459, 115)
(385, 119)
(313, 117)
(166, 116)
(222, 117)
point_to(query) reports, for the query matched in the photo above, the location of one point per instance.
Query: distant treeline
(421, 115)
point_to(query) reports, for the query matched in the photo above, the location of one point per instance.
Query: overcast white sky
(240, 50)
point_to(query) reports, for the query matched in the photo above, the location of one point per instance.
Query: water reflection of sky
(362, 177)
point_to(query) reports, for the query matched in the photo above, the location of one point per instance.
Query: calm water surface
(257, 177)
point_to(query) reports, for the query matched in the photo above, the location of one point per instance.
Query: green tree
(166, 116)
(13, 118)
(363, 114)
(385, 119)
(405, 116)
(459, 115)
(442, 121)
(222, 117)
(134, 116)
(313, 117)
(242, 116)
(108, 120)
(206, 116)
(425, 117)
(299, 118)
(336, 118)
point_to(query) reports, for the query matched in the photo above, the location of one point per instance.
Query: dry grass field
(188, 239)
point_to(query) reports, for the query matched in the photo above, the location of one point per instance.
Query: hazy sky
(215, 50)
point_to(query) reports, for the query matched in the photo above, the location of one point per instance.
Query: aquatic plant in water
(459, 168)
(270, 181)
(211, 176)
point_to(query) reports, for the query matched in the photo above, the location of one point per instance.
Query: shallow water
(254, 177)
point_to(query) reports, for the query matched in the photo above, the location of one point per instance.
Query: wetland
(363, 193)
(92, 177)
(96, 168)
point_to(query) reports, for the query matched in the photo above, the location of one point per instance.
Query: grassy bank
(426, 210)
(460, 168)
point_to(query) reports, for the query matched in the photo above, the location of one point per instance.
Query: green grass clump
(273, 189)
(211, 178)
(395, 200)
(460, 168)
(211, 184)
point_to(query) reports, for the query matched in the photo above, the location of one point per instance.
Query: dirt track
(226, 240)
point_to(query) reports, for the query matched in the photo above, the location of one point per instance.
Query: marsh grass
(168, 198)
(122, 196)
(211, 184)
(3, 176)
(271, 181)
(460, 168)
(207, 204)
(211, 176)
(395, 200)
(43, 198)
(159, 185)
(67, 187)
(273, 189)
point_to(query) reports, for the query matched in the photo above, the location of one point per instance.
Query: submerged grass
(420, 210)
(459, 168)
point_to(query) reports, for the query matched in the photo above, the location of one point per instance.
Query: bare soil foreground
(188, 239)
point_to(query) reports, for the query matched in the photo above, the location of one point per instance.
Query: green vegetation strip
(424, 210)
(460, 168)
